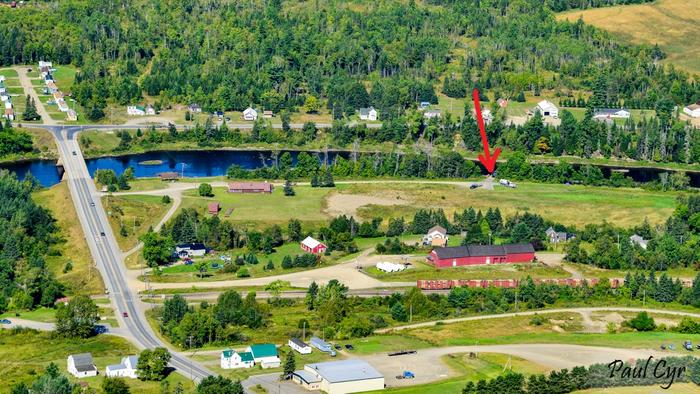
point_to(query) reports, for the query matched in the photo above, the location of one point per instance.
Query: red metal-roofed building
(481, 254)
(214, 207)
(311, 245)
(250, 187)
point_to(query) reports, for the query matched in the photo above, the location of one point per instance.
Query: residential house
(486, 115)
(127, 368)
(3, 89)
(299, 345)
(431, 113)
(213, 207)
(638, 240)
(546, 108)
(557, 236)
(322, 345)
(194, 108)
(9, 113)
(339, 377)
(423, 105)
(45, 64)
(4, 97)
(250, 187)
(71, 116)
(51, 85)
(81, 365)
(62, 105)
(368, 113)
(231, 359)
(481, 254)
(267, 114)
(608, 113)
(693, 110)
(190, 250)
(250, 114)
(265, 354)
(502, 102)
(2, 78)
(436, 236)
(149, 110)
(135, 110)
(311, 245)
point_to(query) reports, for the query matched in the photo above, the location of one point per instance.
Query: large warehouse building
(481, 254)
(340, 377)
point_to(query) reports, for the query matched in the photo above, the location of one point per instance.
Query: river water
(215, 163)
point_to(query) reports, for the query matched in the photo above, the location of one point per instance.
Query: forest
(27, 232)
(289, 55)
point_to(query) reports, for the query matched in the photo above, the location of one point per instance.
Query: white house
(81, 365)
(431, 113)
(135, 110)
(71, 116)
(485, 114)
(693, 110)
(231, 359)
(2, 89)
(150, 110)
(611, 113)
(638, 240)
(265, 355)
(299, 345)
(340, 377)
(546, 108)
(194, 108)
(436, 236)
(2, 78)
(368, 113)
(45, 64)
(250, 114)
(127, 368)
(191, 250)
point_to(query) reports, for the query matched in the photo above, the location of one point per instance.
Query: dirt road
(26, 83)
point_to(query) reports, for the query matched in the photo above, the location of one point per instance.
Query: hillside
(672, 24)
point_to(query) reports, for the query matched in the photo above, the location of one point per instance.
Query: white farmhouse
(150, 110)
(231, 359)
(436, 236)
(135, 110)
(299, 345)
(432, 113)
(250, 114)
(368, 113)
(603, 113)
(81, 365)
(693, 110)
(127, 368)
(638, 240)
(546, 108)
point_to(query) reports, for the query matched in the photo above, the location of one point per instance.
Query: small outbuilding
(213, 208)
(299, 345)
(432, 113)
(311, 245)
(368, 113)
(547, 108)
(250, 187)
(639, 240)
(250, 114)
(81, 365)
(265, 354)
(693, 110)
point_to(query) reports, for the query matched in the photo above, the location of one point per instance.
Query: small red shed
(214, 207)
(311, 245)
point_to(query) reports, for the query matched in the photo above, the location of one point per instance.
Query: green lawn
(306, 205)
(46, 315)
(25, 354)
(135, 213)
(422, 270)
(8, 73)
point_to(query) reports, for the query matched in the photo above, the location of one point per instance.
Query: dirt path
(175, 201)
(557, 260)
(26, 83)
(540, 312)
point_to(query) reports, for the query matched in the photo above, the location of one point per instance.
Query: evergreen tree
(290, 364)
(328, 180)
(288, 189)
(314, 180)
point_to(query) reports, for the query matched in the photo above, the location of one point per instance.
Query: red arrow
(486, 159)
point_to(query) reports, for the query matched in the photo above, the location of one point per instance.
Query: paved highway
(106, 253)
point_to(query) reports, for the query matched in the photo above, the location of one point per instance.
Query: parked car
(337, 346)
(349, 346)
(474, 185)
(5, 321)
(100, 329)
(671, 347)
(406, 375)
(688, 345)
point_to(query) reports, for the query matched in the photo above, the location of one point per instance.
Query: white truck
(507, 183)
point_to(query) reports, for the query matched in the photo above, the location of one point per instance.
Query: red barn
(213, 208)
(311, 245)
(481, 254)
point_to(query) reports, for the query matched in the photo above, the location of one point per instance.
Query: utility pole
(410, 308)
(303, 335)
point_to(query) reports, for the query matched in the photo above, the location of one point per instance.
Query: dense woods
(228, 55)
(26, 233)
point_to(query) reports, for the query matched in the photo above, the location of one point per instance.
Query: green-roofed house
(265, 354)
(231, 359)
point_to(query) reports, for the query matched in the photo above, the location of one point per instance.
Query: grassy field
(642, 23)
(84, 277)
(571, 205)
(42, 314)
(135, 213)
(306, 205)
(422, 270)
(26, 354)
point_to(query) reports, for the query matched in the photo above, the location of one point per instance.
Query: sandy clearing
(348, 204)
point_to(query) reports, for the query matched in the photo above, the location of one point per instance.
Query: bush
(643, 322)
(205, 190)
(165, 199)
(243, 273)
(68, 267)
(536, 320)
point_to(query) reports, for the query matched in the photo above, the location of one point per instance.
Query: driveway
(26, 83)
(273, 385)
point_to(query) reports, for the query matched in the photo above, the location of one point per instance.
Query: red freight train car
(445, 284)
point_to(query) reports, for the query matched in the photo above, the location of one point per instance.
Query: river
(215, 163)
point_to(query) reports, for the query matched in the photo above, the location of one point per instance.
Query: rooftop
(345, 370)
(310, 242)
(263, 350)
(482, 250)
(298, 342)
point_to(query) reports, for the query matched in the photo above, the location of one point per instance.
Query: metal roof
(307, 376)
(345, 370)
(263, 350)
(298, 342)
(83, 362)
(482, 250)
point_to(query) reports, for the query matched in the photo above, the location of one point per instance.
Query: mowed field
(673, 24)
(570, 205)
